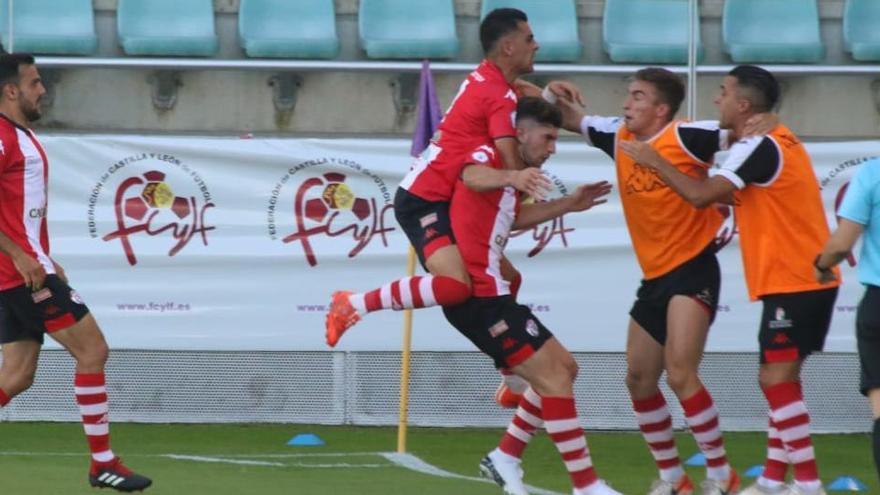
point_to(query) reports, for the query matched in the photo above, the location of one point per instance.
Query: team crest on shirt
(332, 206)
(150, 204)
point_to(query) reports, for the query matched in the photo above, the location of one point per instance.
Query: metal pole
(403, 417)
(11, 47)
(693, 37)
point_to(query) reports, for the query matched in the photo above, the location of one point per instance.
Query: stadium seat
(861, 36)
(283, 28)
(554, 23)
(167, 27)
(50, 26)
(647, 31)
(408, 28)
(774, 31)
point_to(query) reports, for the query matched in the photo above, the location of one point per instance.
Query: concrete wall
(348, 103)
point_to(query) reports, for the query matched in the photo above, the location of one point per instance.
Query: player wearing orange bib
(782, 225)
(675, 246)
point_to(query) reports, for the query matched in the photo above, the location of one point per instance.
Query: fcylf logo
(331, 205)
(151, 199)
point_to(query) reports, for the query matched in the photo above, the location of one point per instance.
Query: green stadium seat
(647, 31)
(50, 26)
(861, 29)
(408, 28)
(772, 31)
(288, 29)
(554, 23)
(167, 27)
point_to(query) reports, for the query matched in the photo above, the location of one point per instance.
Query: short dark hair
(538, 110)
(669, 86)
(761, 87)
(498, 23)
(10, 64)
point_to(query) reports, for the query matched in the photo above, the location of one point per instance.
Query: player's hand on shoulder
(566, 91)
(642, 152)
(531, 181)
(761, 124)
(587, 196)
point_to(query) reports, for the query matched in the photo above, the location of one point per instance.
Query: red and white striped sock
(91, 396)
(412, 292)
(654, 420)
(776, 465)
(561, 423)
(792, 419)
(702, 418)
(4, 399)
(522, 427)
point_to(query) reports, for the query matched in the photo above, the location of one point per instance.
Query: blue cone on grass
(847, 484)
(754, 471)
(305, 440)
(696, 460)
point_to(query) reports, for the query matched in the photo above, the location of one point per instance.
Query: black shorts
(28, 315)
(795, 325)
(868, 338)
(505, 331)
(425, 223)
(699, 279)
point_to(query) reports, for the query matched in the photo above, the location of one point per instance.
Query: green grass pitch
(50, 459)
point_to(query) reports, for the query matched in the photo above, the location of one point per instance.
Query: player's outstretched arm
(698, 192)
(584, 198)
(529, 180)
(572, 115)
(564, 89)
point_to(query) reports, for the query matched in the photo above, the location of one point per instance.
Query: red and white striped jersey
(482, 222)
(483, 110)
(24, 174)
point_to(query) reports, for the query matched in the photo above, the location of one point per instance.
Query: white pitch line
(246, 462)
(413, 463)
(199, 458)
(311, 454)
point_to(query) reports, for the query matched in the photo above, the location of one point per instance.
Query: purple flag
(428, 114)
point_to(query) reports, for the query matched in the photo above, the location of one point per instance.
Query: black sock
(877, 444)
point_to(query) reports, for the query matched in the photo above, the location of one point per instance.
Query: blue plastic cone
(847, 484)
(754, 471)
(306, 440)
(696, 460)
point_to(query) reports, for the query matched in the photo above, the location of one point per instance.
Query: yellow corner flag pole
(404, 362)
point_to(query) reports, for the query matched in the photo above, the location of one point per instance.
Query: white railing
(186, 64)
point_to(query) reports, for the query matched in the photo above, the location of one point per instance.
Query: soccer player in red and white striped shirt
(507, 331)
(482, 112)
(34, 296)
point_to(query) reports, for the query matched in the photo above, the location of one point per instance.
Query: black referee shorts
(868, 338)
